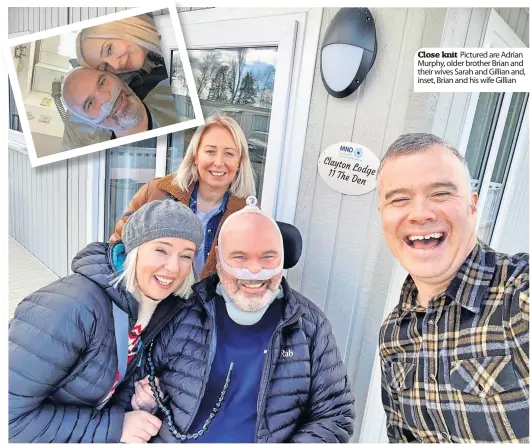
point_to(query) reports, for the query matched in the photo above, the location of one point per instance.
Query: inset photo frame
(98, 84)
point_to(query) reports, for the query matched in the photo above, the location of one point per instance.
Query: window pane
(481, 135)
(127, 169)
(512, 124)
(237, 82)
(179, 88)
(502, 166)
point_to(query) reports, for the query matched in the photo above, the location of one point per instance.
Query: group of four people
(242, 357)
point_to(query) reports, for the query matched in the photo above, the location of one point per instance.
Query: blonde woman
(67, 350)
(122, 46)
(214, 180)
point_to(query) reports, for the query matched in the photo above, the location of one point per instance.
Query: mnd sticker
(471, 69)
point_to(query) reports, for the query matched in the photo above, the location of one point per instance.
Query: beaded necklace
(167, 412)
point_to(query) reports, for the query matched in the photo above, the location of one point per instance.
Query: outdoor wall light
(348, 51)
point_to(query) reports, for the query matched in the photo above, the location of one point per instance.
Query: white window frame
(510, 189)
(497, 35)
(299, 39)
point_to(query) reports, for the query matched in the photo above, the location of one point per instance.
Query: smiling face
(251, 242)
(162, 265)
(103, 99)
(428, 214)
(114, 55)
(217, 158)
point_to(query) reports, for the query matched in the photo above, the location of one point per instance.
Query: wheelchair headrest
(292, 244)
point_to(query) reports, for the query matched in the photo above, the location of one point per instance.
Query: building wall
(38, 210)
(512, 238)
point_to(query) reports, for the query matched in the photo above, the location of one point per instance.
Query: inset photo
(99, 83)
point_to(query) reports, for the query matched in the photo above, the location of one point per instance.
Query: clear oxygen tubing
(56, 94)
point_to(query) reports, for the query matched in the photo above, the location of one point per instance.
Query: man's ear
(474, 202)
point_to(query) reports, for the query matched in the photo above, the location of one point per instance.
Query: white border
(37, 161)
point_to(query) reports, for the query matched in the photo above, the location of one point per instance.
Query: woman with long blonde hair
(122, 46)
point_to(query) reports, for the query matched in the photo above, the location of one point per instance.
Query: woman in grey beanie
(74, 341)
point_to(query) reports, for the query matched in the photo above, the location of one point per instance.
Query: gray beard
(241, 316)
(131, 115)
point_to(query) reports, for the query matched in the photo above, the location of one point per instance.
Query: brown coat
(162, 188)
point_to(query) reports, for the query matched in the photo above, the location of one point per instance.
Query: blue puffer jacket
(304, 396)
(62, 354)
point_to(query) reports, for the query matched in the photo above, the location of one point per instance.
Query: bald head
(248, 231)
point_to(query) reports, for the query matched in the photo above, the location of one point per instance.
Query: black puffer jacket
(62, 354)
(304, 396)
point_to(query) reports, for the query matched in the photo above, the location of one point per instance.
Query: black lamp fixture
(348, 51)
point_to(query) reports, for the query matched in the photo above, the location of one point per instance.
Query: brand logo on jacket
(287, 353)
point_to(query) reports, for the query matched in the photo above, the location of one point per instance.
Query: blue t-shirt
(245, 346)
(200, 257)
(210, 222)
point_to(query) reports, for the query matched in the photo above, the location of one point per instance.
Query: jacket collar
(96, 263)
(166, 184)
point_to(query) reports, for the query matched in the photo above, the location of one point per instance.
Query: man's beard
(129, 117)
(251, 303)
(248, 301)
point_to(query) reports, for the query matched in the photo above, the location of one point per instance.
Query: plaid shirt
(458, 369)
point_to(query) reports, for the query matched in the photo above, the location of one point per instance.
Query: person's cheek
(275, 281)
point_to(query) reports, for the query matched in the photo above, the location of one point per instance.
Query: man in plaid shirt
(454, 351)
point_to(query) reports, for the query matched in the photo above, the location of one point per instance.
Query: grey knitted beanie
(161, 218)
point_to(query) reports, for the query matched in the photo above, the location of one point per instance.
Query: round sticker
(348, 168)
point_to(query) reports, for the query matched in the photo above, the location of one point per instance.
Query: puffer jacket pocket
(485, 376)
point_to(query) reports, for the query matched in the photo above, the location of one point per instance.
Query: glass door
(242, 61)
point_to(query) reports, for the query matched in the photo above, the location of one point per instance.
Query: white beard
(247, 317)
(129, 118)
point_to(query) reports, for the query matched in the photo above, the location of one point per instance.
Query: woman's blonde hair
(187, 174)
(128, 277)
(140, 30)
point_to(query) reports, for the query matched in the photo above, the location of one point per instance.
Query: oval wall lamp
(348, 51)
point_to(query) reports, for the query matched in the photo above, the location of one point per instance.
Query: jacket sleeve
(125, 391)
(331, 411)
(138, 200)
(47, 338)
